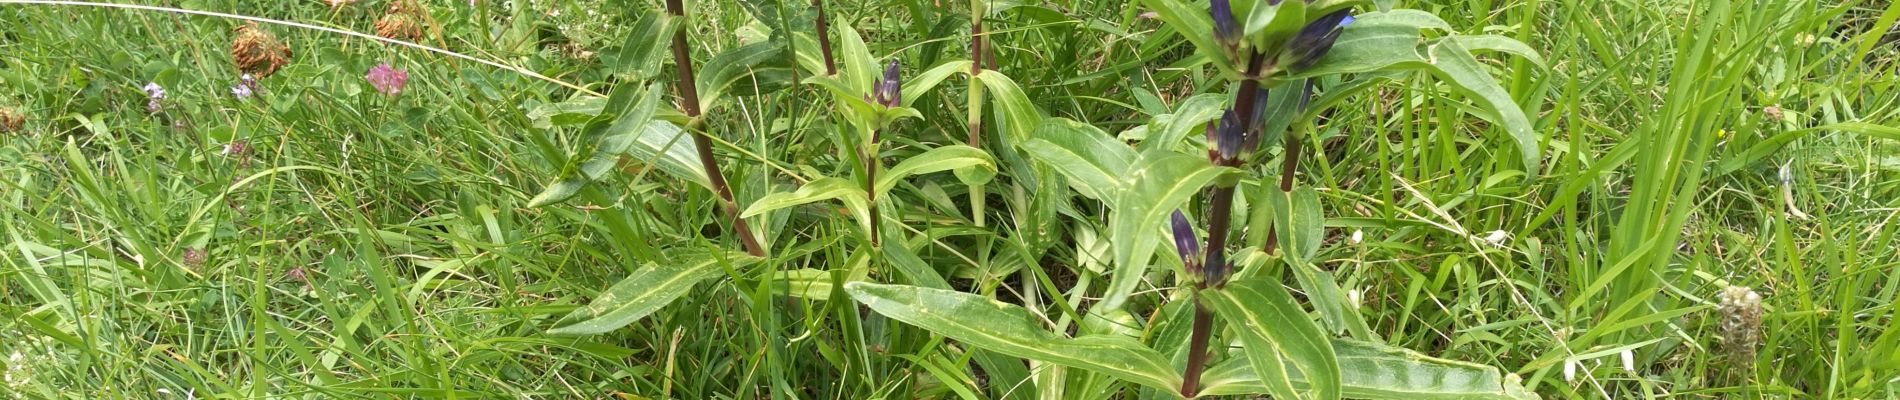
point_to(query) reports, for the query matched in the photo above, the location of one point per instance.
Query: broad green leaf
(1376, 41)
(1093, 161)
(1773, 143)
(1375, 371)
(953, 157)
(757, 62)
(817, 190)
(645, 291)
(1190, 118)
(1276, 331)
(917, 86)
(1011, 330)
(1297, 218)
(1323, 290)
(1274, 24)
(1018, 115)
(1455, 64)
(816, 284)
(640, 54)
(1159, 182)
(1194, 24)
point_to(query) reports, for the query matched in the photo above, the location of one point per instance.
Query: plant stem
(1197, 347)
(870, 185)
(1219, 217)
(976, 102)
(1290, 162)
(824, 38)
(689, 102)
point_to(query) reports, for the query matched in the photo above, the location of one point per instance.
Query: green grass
(371, 246)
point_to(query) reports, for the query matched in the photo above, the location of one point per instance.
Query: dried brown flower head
(10, 120)
(403, 20)
(257, 52)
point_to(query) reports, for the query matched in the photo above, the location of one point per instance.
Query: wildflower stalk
(1219, 218)
(689, 102)
(976, 101)
(1289, 162)
(824, 37)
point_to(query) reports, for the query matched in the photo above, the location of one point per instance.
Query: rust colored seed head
(257, 52)
(10, 120)
(402, 21)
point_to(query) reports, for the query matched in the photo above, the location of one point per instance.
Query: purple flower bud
(1226, 30)
(1187, 243)
(1316, 38)
(889, 90)
(1228, 138)
(247, 86)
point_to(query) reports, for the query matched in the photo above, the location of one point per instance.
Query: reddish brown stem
(1290, 161)
(1197, 348)
(824, 37)
(689, 102)
(1219, 217)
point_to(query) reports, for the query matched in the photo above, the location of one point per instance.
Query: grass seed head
(11, 120)
(1740, 307)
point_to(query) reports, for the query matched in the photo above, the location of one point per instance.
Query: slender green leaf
(645, 46)
(817, 190)
(1456, 65)
(1009, 329)
(924, 82)
(1018, 115)
(645, 291)
(1771, 144)
(952, 157)
(759, 62)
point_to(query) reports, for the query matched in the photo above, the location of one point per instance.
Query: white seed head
(1358, 236)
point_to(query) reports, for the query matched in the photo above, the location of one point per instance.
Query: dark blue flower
(889, 90)
(1316, 38)
(1226, 30)
(1257, 126)
(1187, 243)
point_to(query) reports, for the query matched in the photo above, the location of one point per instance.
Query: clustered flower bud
(257, 52)
(154, 96)
(1230, 140)
(387, 80)
(1740, 309)
(889, 91)
(1316, 38)
(193, 257)
(247, 86)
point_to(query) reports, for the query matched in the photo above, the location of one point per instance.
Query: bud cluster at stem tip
(1300, 52)
(889, 91)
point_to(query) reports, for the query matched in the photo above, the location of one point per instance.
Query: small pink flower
(386, 79)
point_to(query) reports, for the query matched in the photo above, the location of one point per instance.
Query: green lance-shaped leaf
(1019, 116)
(1277, 335)
(1093, 161)
(857, 70)
(1773, 143)
(972, 166)
(640, 54)
(818, 190)
(1187, 120)
(924, 82)
(1297, 216)
(1011, 330)
(645, 291)
(1455, 64)
(1375, 371)
(1159, 182)
(630, 131)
